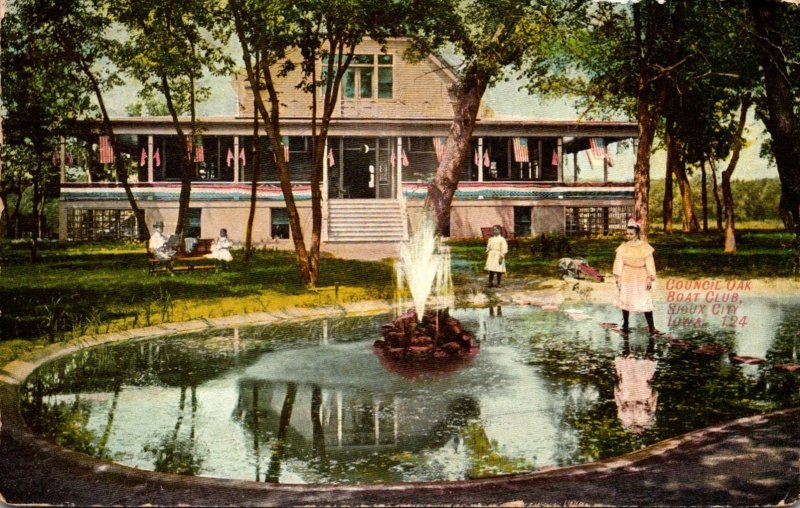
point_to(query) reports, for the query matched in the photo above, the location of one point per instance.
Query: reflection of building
(385, 139)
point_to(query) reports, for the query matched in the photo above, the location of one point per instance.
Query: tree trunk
(727, 195)
(704, 195)
(279, 447)
(676, 161)
(780, 120)
(666, 209)
(119, 164)
(448, 174)
(715, 190)
(251, 217)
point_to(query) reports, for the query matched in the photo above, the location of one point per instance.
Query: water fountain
(430, 339)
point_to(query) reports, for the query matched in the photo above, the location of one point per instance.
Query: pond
(312, 402)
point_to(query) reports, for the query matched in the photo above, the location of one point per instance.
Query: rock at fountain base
(436, 344)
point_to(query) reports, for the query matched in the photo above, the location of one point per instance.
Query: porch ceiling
(220, 126)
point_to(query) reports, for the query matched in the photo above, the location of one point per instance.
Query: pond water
(311, 402)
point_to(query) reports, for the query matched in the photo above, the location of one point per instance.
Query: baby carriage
(577, 268)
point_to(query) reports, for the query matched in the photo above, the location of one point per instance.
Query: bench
(185, 261)
(510, 236)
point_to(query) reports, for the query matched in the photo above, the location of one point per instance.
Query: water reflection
(636, 400)
(311, 403)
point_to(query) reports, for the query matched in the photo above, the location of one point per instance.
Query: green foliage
(754, 200)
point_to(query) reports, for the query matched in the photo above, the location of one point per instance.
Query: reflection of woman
(635, 271)
(636, 400)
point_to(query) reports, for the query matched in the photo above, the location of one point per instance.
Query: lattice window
(596, 220)
(101, 224)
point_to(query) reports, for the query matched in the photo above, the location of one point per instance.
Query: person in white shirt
(496, 250)
(158, 243)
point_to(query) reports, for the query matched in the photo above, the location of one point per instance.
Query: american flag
(54, 159)
(199, 152)
(438, 146)
(477, 159)
(598, 146)
(243, 157)
(486, 161)
(554, 158)
(229, 158)
(331, 160)
(285, 143)
(143, 157)
(405, 159)
(521, 150)
(157, 158)
(106, 152)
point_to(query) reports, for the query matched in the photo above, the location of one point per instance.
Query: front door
(366, 170)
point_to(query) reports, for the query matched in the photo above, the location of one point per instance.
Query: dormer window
(359, 80)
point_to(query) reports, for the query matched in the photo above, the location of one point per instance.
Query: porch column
(62, 153)
(236, 159)
(560, 156)
(149, 158)
(480, 159)
(399, 167)
(575, 165)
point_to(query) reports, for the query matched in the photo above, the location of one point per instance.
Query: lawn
(100, 287)
(760, 253)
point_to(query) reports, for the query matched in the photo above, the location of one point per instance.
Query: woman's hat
(634, 224)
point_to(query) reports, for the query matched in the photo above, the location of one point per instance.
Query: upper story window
(368, 76)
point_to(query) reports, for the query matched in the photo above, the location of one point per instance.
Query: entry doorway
(362, 168)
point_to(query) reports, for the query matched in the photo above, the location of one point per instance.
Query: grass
(760, 253)
(102, 287)
(76, 289)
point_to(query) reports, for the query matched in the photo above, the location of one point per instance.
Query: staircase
(365, 220)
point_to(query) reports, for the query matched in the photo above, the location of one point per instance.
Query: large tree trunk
(780, 120)
(448, 174)
(666, 208)
(677, 162)
(727, 194)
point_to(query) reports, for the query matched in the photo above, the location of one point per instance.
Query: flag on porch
(106, 152)
(405, 159)
(521, 150)
(486, 161)
(438, 145)
(554, 158)
(54, 159)
(199, 152)
(599, 150)
(70, 161)
(331, 160)
(157, 158)
(477, 159)
(229, 158)
(285, 143)
(143, 157)
(243, 157)
(392, 159)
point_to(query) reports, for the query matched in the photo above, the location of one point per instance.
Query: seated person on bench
(221, 248)
(160, 245)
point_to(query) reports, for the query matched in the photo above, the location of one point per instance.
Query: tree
(727, 194)
(491, 39)
(170, 46)
(775, 36)
(42, 98)
(279, 36)
(77, 31)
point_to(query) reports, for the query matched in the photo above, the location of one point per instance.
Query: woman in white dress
(496, 250)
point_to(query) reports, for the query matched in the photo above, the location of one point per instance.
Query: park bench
(510, 236)
(185, 261)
